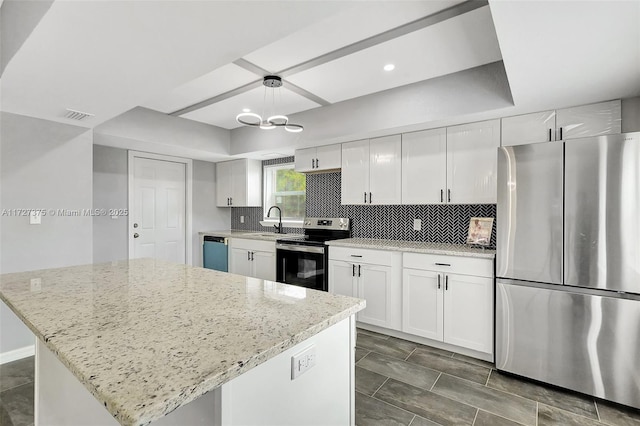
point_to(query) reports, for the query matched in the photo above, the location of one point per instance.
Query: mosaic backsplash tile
(446, 223)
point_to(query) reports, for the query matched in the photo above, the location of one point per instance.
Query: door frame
(188, 214)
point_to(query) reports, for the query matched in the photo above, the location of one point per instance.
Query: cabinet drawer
(255, 245)
(357, 255)
(453, 264)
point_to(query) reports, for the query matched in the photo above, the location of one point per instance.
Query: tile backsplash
(446, 223)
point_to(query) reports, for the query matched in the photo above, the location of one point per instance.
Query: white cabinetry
(569, 123)
(456, 165)
(321, 158)
(239, 183)
(449, 299)
(371, 171)
(253, 258)
(603, 118)
(424, 166)
(372, 275)
(472, 163)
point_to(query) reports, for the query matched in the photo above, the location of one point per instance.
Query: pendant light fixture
(270, 83)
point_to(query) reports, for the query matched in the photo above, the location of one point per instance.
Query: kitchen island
(141, 341)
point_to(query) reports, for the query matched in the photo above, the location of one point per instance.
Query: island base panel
(265, 395)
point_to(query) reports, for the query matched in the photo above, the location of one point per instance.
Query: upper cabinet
(318, 159)
(472, 163)
(239, 183)
(603, 118)
(453, 165)
(371, 171)
(424, 154)
(578, 122)
(529, 128)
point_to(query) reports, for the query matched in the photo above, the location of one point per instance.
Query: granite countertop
(147, 336)
(251, 235)
(415, 247)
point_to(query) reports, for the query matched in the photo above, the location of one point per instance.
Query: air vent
(76, 115)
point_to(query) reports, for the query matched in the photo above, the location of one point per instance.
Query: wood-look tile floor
(405, 383)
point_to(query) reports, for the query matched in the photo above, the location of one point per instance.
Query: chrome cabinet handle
(136, 235)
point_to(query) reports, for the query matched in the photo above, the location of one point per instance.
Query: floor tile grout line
(434, 383)
(488, 377)
(414, 417)
(408, 356)
(501, 416)
(595, 403)
(475, 417)
(385, 381)
(395, 406)
(17, 386)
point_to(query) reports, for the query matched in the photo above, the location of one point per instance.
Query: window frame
(289, 221)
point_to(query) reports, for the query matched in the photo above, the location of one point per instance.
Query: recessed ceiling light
(246, 110)
(389, 67)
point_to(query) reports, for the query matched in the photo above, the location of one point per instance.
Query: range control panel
(339, 223)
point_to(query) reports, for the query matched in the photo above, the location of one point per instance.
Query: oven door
(304, 266)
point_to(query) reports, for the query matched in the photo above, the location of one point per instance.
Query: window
(285, 188)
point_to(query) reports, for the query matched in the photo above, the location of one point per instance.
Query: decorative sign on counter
(480, 231)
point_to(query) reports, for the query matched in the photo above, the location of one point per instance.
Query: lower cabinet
(253, 258)
(449, 299)
(372, 275)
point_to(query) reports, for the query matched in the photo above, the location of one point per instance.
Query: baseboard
(17, 354)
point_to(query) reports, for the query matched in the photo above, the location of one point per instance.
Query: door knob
(136, 235)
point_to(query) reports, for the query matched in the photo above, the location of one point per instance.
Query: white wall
(206, 216)
(110, 175)
(631, 115)
(44, 165)
(142, 129)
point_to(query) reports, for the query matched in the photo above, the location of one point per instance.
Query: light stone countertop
(251, 235)
(147, 336)
(415, 247)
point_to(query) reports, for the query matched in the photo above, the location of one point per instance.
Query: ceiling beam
(391, 34)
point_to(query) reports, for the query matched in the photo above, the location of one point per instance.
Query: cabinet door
(239, 183)
(424, 167)
(589, 120)
(373, 286)
(264, 265)
(341, 279)
(422, 303)
(328, 157)
(305, 160)
(240, 263)
(355, 172)
(223, 183)
(468, 312)
(472, 163)
(529, 128)
(385, 173)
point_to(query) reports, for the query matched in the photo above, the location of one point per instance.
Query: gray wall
(206, 216)
(44, 165)
(110, 189)
(631, 115)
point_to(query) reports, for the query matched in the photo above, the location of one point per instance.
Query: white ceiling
(107, 57)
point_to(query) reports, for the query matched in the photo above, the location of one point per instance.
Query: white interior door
(159, 210)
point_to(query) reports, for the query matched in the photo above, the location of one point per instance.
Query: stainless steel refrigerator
(568, 264)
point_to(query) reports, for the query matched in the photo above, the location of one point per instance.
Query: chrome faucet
(279, 225)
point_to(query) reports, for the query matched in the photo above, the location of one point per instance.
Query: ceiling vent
(72, 114)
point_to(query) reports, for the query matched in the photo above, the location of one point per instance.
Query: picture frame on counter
(480, 231)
